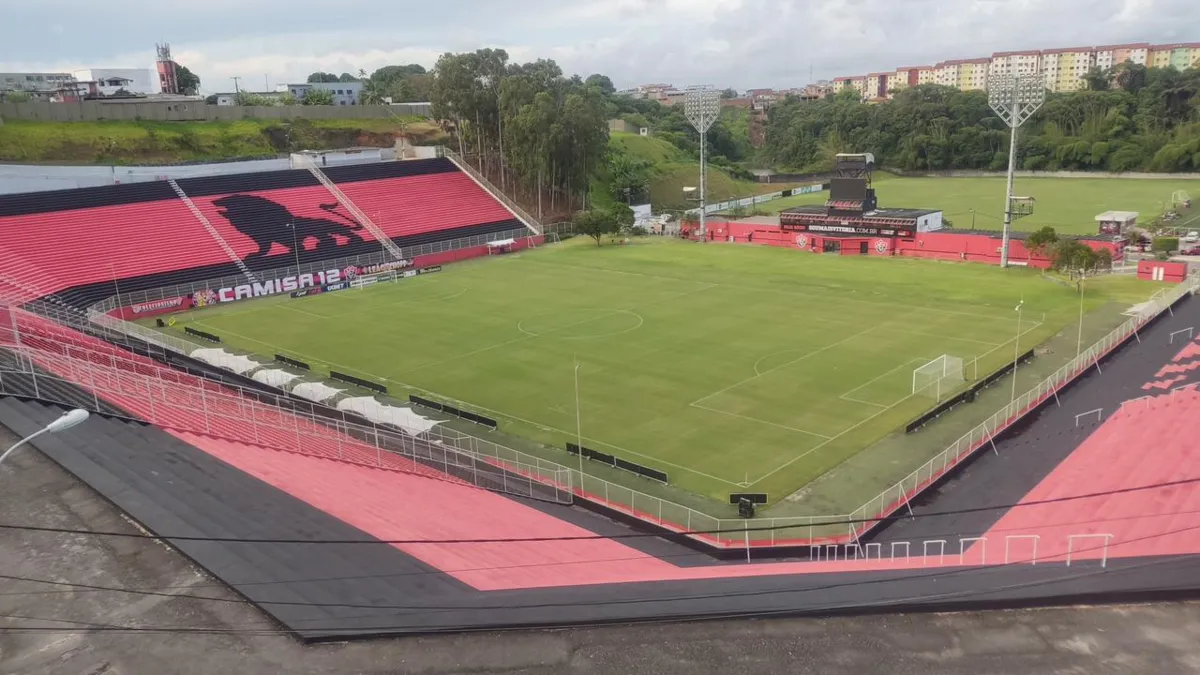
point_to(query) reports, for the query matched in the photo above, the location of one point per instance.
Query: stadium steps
(211, 230)
(427, 204)
(180, 401)
(1147, 442)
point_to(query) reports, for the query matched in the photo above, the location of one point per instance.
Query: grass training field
(729, 367)
(1069, 205)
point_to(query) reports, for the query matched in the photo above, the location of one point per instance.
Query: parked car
(1192, 236)
(1194, 250)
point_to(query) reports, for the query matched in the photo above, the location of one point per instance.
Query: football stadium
(373, 395)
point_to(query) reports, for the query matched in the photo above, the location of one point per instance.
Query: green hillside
(143, 142)
(672, 170)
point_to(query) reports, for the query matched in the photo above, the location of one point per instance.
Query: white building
(108, 81)
(40, 86)
(344, 93)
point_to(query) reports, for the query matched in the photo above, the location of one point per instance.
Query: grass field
(728, 367)
(1070, 205)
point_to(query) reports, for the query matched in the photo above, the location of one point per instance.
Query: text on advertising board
(260, 289)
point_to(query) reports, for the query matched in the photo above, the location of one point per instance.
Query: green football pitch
(728, 367)
(1069, 205)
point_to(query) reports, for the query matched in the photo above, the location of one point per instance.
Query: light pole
(701, 105)
(1016, 351)
(1014, 98)
(65, 421)
(1079, 338)
(295, 246)
(578, 428)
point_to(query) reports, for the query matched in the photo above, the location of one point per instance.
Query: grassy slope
(719, 365)
(673, 171)
(141, 142)
(1068, 204)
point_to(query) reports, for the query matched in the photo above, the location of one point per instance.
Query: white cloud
(740, 43)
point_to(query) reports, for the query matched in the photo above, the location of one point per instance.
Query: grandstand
(151, 238)
(355, 520)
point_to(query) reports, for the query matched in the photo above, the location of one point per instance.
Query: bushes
(1165, 244)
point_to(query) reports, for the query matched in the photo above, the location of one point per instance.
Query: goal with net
(941, 375)
(366, 280)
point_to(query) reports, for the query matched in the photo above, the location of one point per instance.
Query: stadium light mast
(1014, 98)
(701, 105)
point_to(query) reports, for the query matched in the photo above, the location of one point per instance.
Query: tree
(629, 177)
(729, 93)
(621, 216)
(318, 97)
(346, 77)
(211, 99)
(601, 82)
(17, 97)
(1071, 256)
(189, 82)
(321, 77)
(595, 223)
(1040, 241)
(1097, 79)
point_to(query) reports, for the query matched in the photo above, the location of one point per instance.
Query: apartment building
(1108, 56)
(1064, 68)
(1015, 63)
(1181, 55)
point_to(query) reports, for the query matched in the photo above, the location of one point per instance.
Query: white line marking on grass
(808, 355)
(389, 306)
(936, 335)
(497, 413)
(859, 424)
(821, 445)
(859, 400)
(803, 293)
(303, 311)
(916, 359)
(758, 421)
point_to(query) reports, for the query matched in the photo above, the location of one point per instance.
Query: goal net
(371, 279)
(939, 376)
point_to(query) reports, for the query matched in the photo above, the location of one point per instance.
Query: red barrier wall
(1155, 270)
(179, 304)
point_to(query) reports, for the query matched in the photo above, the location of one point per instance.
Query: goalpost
(944, 373)
(366, 280)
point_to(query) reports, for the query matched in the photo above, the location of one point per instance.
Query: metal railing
(179, 290)
(487, 185)
(52, 369)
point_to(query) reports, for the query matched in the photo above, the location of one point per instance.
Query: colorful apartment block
(1108, 56)
(1064, 68)
(1181, 55)
(1015, 63)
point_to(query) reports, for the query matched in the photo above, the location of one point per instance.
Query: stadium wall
(943, 245)
(182, 303)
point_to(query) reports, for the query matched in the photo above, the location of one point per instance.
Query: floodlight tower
(702, 104)
(1014, 98)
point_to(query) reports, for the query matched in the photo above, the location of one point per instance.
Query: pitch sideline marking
(758, 421)
(880, 377)
(855, 426)
(784, 365)
(935, 335)
(303, 311)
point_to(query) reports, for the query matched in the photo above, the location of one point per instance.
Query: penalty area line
(758, 421)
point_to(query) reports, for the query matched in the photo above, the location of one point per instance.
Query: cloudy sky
(738, 43)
